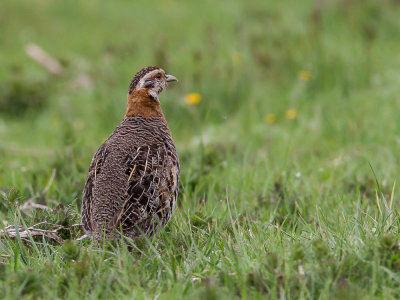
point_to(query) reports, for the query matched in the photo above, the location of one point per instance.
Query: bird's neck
(140, 103)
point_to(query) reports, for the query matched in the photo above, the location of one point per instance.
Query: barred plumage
(133, 179)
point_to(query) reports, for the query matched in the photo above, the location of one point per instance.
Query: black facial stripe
(148, 83)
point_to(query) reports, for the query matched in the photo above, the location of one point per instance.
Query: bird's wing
(147, 175)
(87, 195)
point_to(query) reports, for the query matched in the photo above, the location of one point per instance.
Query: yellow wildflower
(193, 98)
(291, 114)
(304, 75)
(237, 58)
(270, 118)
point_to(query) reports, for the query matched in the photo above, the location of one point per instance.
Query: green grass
(300, 208)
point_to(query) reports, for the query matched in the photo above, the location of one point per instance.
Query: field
(286, 121)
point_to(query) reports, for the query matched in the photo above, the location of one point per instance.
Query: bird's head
(153, 79)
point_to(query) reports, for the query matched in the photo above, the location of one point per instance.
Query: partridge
(133, 179)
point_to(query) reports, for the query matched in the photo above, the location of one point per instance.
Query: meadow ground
(288, 161)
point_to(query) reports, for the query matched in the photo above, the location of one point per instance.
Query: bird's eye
(158, 75)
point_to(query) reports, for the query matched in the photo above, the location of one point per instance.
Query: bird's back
(133, 180)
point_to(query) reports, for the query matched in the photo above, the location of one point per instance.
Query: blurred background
(287, 90)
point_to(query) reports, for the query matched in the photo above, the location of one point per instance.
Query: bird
(133, 180)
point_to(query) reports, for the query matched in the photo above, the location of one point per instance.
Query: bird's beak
(170, 78)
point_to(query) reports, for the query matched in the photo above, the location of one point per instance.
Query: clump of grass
(29, 283)
(70, 250)
(22, 96)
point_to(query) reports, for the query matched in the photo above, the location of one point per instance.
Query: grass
(297, 205)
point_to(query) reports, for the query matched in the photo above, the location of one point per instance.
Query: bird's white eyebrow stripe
(147, 76)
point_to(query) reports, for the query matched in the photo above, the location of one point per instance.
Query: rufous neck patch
(139, 103)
